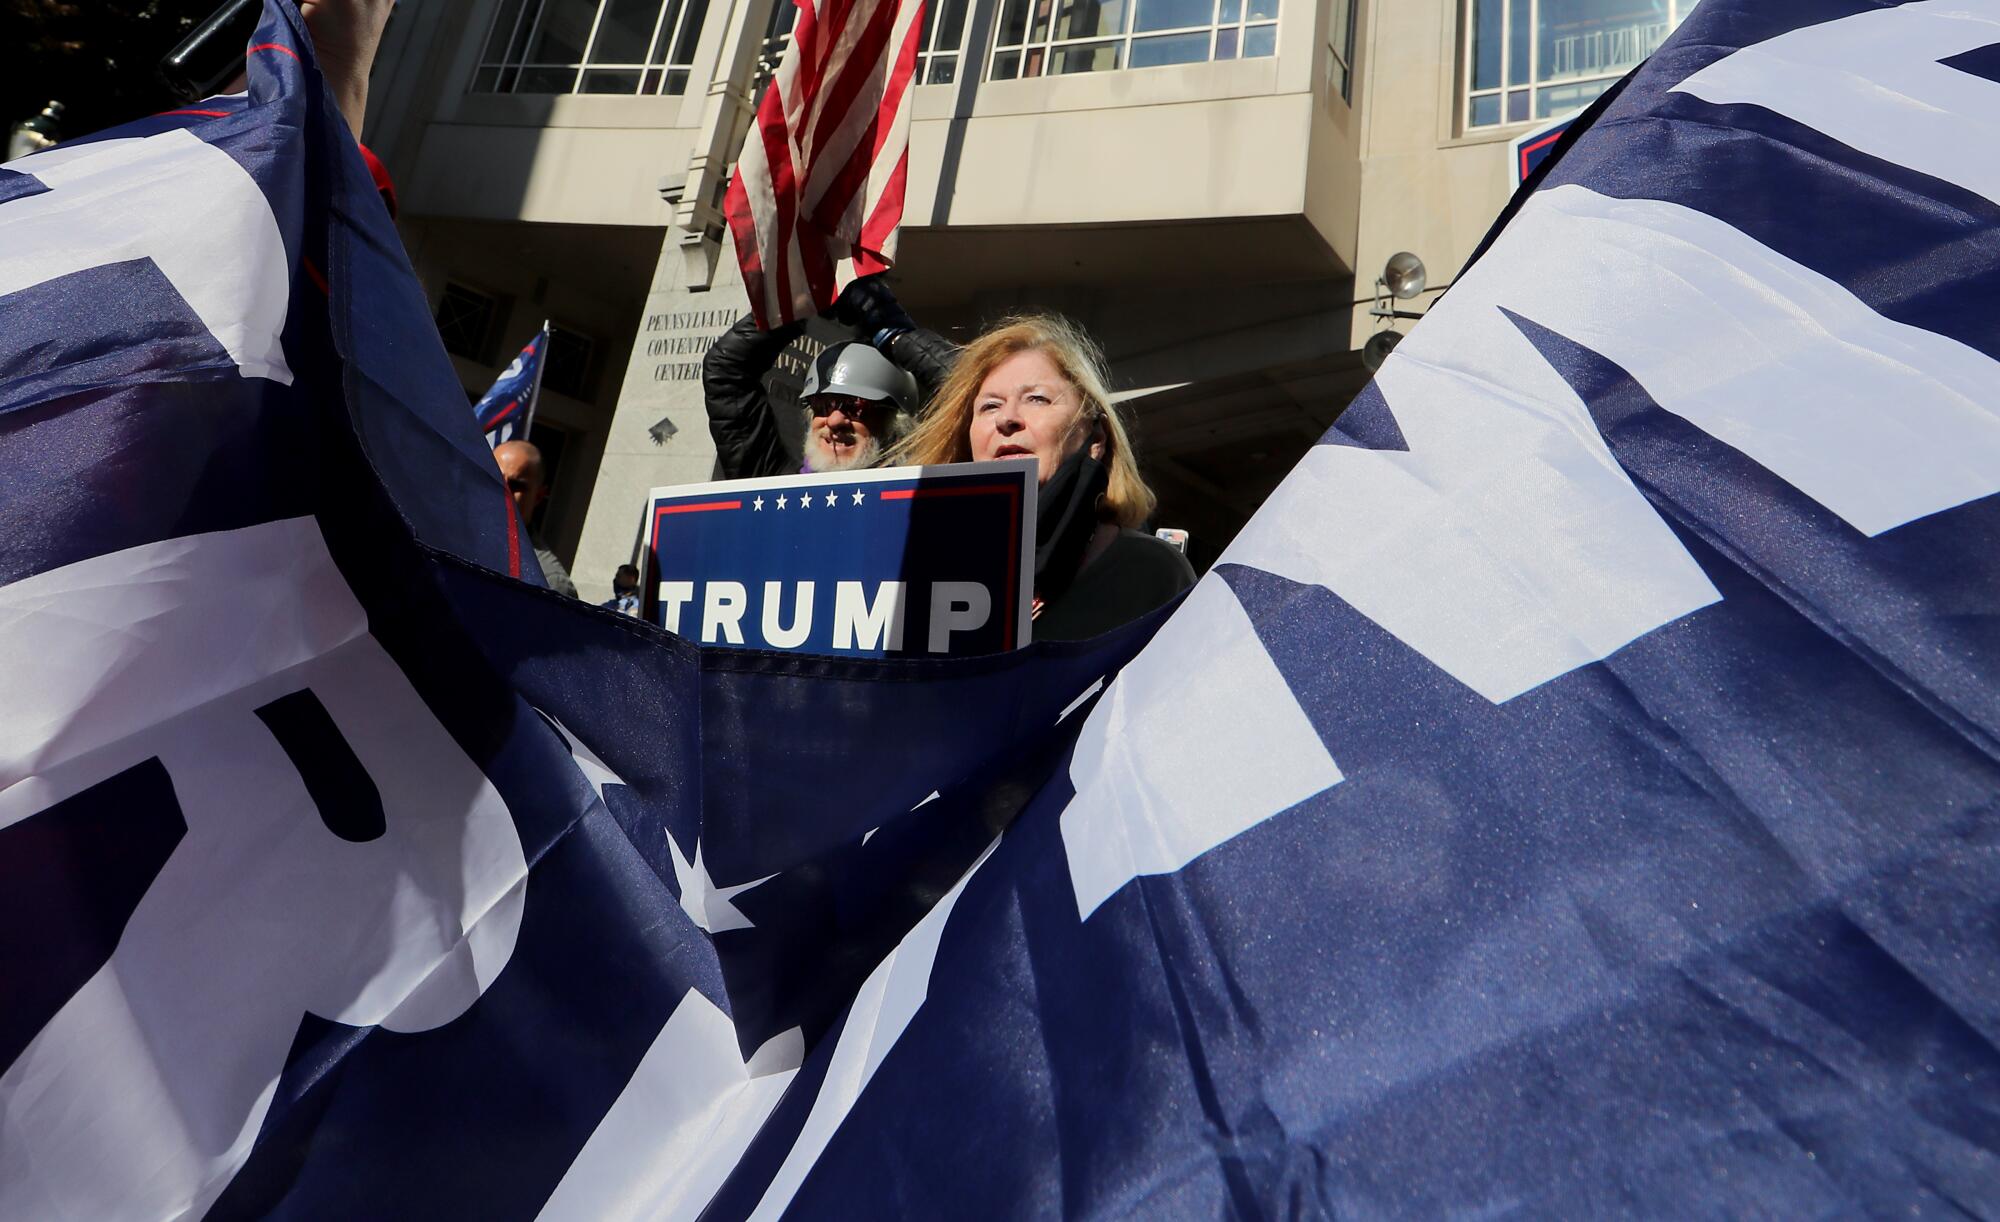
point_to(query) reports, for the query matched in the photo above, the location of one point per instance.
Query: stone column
(659, 429)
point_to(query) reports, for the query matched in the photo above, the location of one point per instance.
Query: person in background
(1033, 388)
(859, 397)
(624, 591)
(521, 466)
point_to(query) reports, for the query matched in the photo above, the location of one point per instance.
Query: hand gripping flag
(1573, 794)
(821, 175)
(507, 409)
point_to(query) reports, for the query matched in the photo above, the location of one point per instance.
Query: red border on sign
(1543, 143)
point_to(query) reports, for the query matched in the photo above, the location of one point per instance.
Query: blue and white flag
(507, 408)
(1575, 793)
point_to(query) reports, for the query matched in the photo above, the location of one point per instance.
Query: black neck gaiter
(1065, 518)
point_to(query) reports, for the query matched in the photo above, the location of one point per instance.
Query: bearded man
(859, 397)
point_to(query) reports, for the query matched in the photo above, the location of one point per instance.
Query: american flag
(822, 173)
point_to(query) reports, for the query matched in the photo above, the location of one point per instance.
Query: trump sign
(901, 562)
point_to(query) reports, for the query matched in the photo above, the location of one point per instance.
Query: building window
(1340, 51)
(590, 46)
(1052, 37)
(465, 319)
(568, 369)
(1534, 59)
(944, 38)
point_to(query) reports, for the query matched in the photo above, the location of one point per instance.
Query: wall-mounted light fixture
(1402, 278)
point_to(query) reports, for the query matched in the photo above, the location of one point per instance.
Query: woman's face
(1026, 409)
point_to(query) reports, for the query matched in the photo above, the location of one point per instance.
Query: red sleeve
(380, 173)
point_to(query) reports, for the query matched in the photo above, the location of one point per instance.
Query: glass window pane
(943, 70)
(485, 79)
(1341, 30)
(1172, 49)
(624, 32)
(622, 80)
(951, 34)
(677, 80)
(1225, 44)
(1173, 15)
(668, 20)
(1102, 57)
(1486, 110)
(1013, 24)
(1517, 106)
(1032, 62)
(567, 364)
(1262, 10)
(1520, 30)
(1597, 37)
(560, 37)
(1090, 18)
(1006, 66)
(503, 31)
(1038, 29)
(1260, 40)
(1561, 99)
(1486, 43)
(464, 320)
(690, 34)
(545, 80)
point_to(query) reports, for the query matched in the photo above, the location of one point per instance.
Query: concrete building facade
(1210, 186)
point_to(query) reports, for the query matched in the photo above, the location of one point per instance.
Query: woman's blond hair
(944, 435)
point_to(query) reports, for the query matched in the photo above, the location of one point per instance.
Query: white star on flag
(757, 504)
(594, 770)
(781, 500)
(706, 904)
(857, 496)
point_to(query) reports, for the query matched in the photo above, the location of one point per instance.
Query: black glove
(868, 305)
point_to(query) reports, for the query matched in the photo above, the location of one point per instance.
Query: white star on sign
(706, 904)
(757, 504)
(858, 498)
(833, 498)
(781, 500)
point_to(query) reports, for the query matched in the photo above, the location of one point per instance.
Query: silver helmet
(855, 368)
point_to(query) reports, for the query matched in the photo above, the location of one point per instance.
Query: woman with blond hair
(1033, 388)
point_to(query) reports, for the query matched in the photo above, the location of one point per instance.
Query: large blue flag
(1574, 792)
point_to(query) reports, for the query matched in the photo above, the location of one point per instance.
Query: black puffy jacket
(740, 413)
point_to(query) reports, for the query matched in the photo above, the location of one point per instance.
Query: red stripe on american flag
(855, 73)
(825, 173)
(882, 223)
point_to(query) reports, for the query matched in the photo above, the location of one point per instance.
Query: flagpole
(535, 391)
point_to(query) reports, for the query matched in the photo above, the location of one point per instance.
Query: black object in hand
(213, 53)
(868, 304)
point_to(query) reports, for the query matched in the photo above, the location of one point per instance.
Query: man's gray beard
(821, 459)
